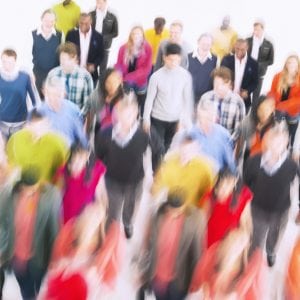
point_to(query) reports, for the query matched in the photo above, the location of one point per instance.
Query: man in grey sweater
(169, 101)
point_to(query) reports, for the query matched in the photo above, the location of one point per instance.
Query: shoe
(297, 220)
(128, 231)
(271, 258)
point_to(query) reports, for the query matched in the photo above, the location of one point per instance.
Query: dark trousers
(103, 64)
(269, 226)
(256, 92)
(172, 292)
(2, 278)
(292, 127)
(29, 280)
(122, 199)
(165, 130)
(40, 77)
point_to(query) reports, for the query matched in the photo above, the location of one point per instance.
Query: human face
(221, 88)
(258, 31)
(225, 187)
(67, 62)
(54, 97)
(124, 117)
(137, 36)
(85, 24)
(101, 4)
(175, 33)
(48, 22)
(206, 117)
(265, 110)
(112, 83)
(78, 162)
(8, 63)
(240, 50)
(292, 65)
(204, 44)
(275, 145)
(172, 61)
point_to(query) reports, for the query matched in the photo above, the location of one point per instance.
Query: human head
(258, 28)
(37, 123)
(159, 24)
(206, 115)
(78, 158)
(9, 60)
(48, 19)
(66, 2)
(68, 57)
(240, 48)
(264, 109)
(175, 199)
(172, 57)
(29, 181)
(225, 184)
(136, 36)
(111, 83)
(176, 29)
(222, 78)
(85, 23)
(204, 43)
(54, 92)
(101, 4)
(292, 65)
(188, 148)
(225, 22)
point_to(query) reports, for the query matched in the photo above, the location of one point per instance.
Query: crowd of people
(75, 138)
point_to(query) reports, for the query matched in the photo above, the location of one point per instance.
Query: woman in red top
(226, 203)
(286, 91)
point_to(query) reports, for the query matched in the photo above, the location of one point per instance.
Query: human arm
(30, 91)
(151, 95)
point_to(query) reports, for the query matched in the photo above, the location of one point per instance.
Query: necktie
(68, 83)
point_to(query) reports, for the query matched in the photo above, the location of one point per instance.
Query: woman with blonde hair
(135, 63)
(286, 92)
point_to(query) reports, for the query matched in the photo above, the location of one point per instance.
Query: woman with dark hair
(79, 179)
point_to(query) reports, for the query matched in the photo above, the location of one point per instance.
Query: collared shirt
(79, 85)
(239, 69)
(231, 109)
(123, 141)
(46, 37)
(100, 15)
(85, 40)
(201, 59)
(255, 47)
(271, 170)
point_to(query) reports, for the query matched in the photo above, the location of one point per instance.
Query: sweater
(270, 193)
(124, 165)
(13, 93)
(201, 74)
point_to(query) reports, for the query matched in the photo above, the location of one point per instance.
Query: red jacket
(292, 104)
(139, 77)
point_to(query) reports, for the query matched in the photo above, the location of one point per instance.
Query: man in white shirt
(89, 43)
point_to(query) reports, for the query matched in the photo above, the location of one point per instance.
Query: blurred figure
(44, 49)
(100, 105)
(227, 205)
(286, 91)
(229, 105)
(225, 272)
(262, 51)
(224, 39)
(78, 81)
(36, 145)
(169, 102)
(244, 71)
(78, 180)
(14, 87)
(201, 64)
(86, 260)
(269, 176)
(134, 63)
(155, 35)
(89, 43)
(173, 245)
(106, 23)
(29, 224)
(63, 115)
(121, 148)
(176, 29)
(186, 170)
(67, 15)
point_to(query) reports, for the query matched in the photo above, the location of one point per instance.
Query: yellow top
(67, 16)
(224, 41)
(154, 40)
(193, 178)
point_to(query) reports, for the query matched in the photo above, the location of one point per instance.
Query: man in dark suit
(262, 51)
(90, 45)
(244, 70)
(106, 23)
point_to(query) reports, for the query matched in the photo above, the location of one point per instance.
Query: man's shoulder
(110, 15)
(57, 71)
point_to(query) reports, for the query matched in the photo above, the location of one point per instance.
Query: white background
(18, 18)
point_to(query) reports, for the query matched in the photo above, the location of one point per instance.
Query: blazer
(110, 27)
(265, 55)
(96, 48)
(250, 78)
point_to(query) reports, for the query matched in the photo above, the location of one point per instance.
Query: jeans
(8, 130)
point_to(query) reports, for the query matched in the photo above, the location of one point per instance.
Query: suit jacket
(96, 49)
(265, 55)
(110, 27)
(250, 78)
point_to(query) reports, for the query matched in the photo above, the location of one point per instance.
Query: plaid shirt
(79, 84)
(230, 110)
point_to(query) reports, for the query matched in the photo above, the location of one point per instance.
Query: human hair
(130, 46)
(85, 15)
(205, 35)
(241, 41)
(55, 83)
(68, 48)
(223, 73)
(9, 52)
(177, 23)
(172, 49)
(35, 115)
(159, 22)
(285, 78)
(48, 11)
(259, 22)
